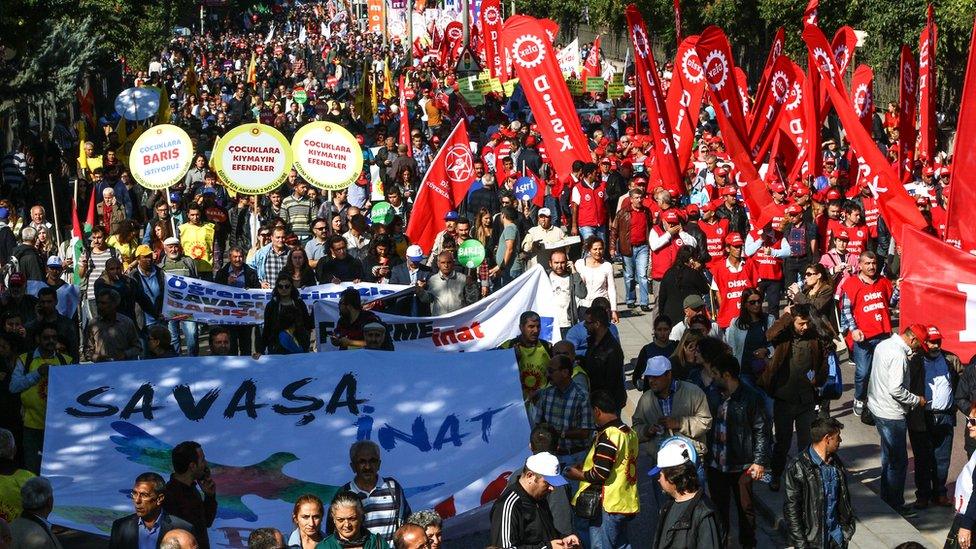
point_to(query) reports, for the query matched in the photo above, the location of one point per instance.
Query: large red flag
(685, 98)
(775, 50)
(404, 117)
(454, 36)
(939, 289)
(960, 230)
(908, 104)
(545, 89)
(654, 100)
(742, 86)
(897, 207)
(794, 149)
(766, 114)
(551, 27)
(714, 51)
(716, 57)
(591, 67)
(491, 26)
(444, 186)
(927, 90)
(677, 21)
(862, 99)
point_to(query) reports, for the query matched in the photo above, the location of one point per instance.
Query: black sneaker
(908, 512)
(645, 308)
(631, 305)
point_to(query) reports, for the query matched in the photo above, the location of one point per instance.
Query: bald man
(410, 536)
(178, 539)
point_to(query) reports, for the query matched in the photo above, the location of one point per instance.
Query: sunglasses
(284, 286)
(971, 421)
(810, 274)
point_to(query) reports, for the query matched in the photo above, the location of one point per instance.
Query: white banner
(203, 301)
(68, 296)
(569, 58)
(478, 327)
(449, 427)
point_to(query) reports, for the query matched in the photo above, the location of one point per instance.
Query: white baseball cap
(171, 240)
(545, 211)
(657, 366)
(415, 252)
(673, 452)
(547, 465)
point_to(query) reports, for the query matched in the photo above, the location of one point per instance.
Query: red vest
(859, 235)
(871, 213)
(715, 234)
(593, 205)
(730, 287)
(869, 305)
(765, 266)
(663, 258)
(773, 212)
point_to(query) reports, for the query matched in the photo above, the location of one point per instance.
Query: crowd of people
(745, 311)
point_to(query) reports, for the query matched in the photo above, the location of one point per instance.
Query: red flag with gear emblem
(545, 90)
(766, 115)
(897, 207)
(685, 98)
(444, 186)
(793, 148)
(926, 90)
(862, 98)
(654, 100)
(775, 50)
(491, 27)
(908, 104)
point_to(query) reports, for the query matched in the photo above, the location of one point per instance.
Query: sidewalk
(878, 526)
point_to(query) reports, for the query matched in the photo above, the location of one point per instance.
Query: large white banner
(203, 301)
(449, 426)
(478, 327)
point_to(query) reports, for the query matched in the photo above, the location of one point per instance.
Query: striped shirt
(298, 213)
(274, 263)
(604, 457)
(385, 505)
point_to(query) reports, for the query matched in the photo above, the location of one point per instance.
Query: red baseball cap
(691, 208)
(17, 279)
(777, 187)
(833, 194)
(793, 209)
(720, 171)
(934, 334)
(801, 190)
(842, 235)
(711, 205)
(671, 216)
(734, 239)
(922, 334)
(729, 190)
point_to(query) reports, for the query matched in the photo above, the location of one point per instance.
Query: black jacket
(250, 276)
(965, 394)
(916, 385)
(679, 282)
(738, 220)
(400, 274)
(521, 521)
(346, 270)
(29, 262)
(697, 527)
(125, 531)
(804, 505)
(604, 364)
(748, 430)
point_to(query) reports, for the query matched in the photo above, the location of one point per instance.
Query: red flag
(716, 57)
(927, 90)
(742, 86)
(775, 50)
(843, 46)
(491, 26)
(713, 49)
(86, 101)
(444, 186)
(897, 207)
(810, 13)
(685, 98)
(552, 29)
(591, 67)
(939, 289)
(404, 118)
(813, 107)
(907, 100)
(960, 230)
(454, 36)
(862, 95)
(794, 148)
(545, 90)
(677, 21)
(766, 115)
(657, 112)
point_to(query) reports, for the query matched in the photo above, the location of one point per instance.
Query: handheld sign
(471, 253)
(300, 96)
(327, 155)
(161, 156)
(252, 159)
(525, 188)
(381, 213)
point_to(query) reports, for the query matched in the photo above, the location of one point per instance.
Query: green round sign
(300, 96)
(471, 253)
(381, 212)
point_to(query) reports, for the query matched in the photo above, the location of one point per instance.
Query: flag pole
(172, 217)
(54, 208)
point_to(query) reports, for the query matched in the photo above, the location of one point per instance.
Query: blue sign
(525, 188)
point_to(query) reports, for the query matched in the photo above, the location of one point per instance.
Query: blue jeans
(586, 232)
(894, 459)
(862, 354)
(932, 448)
(610, 531)
(189, 330)
(636, 266)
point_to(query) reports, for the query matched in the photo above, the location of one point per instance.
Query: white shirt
(888, 395)
(562, 290)
(599, 283)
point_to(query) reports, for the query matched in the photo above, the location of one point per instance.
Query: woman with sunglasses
(817, 290)
(961, 533)
(746, 335)
(286, 318)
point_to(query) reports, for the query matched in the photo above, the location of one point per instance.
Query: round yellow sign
(327, 155)
(252, 159)
(161, 156)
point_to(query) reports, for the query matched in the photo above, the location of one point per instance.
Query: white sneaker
(858, 407)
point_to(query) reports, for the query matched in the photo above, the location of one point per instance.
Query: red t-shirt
(858, 235)
(715, 234)
(870, 304)
(730, 286)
